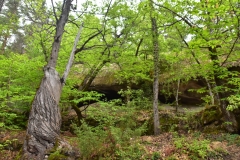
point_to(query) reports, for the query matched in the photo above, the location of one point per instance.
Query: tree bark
(5, 40)
(59, 32)
(177, 95)
(45, 118)
(1, 5)
(156, 70)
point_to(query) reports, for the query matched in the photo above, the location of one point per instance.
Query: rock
(216, 145)
(107, 83)
(62, 151)
(147, 139)
(211, 114)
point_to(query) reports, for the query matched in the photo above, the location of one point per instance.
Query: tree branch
(71, 58)
(90, 38)
(138, 47)
(54, 12)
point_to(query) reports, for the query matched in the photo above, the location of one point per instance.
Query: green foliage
(234, 102)
(114, 136)
(56, 156)
(19, 79)
(135, 98)
(195, 148)
(156, 156)
(9, 144)
(74, 96)
(231, 139)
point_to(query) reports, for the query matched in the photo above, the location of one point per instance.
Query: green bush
(195, 148)
(114, 136)
(19, 79)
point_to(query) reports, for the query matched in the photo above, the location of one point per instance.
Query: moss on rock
(211, 114)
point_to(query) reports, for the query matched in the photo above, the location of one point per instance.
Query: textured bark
(45, 118)
(59, 32)
(156, 71)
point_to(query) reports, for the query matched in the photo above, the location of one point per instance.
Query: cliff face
(106, 82)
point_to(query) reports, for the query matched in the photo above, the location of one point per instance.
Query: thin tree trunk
(177, 93)
(210, 91)
(4, 43)
(91, 76)
(1, 5)
(59, 32)
(156, 70)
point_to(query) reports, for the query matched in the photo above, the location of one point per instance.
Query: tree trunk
(221, 95)
(4, 43)
(91, 76)
(177, 95)
(1, 5)
(156, 70)
(59, 32)
(210, 91)
(45, 119)
(227, 115)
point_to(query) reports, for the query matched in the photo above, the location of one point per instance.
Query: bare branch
(175, 13)
(90, 38)
(231, 50)
(54, 12)
(138, 47)
(71, 58)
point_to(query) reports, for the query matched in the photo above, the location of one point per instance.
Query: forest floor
(167, 146)
(164, 145)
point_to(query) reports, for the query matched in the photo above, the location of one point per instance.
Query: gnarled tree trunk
(45, 118)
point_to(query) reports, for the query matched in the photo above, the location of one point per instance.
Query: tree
(155, 45)
(213, 26)
(9, 23)
(45, 118)
(1, 5)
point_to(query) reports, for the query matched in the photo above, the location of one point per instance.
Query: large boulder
(107, 83)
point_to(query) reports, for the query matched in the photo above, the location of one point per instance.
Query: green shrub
(114, 136)
(19, 79)
(195, 148)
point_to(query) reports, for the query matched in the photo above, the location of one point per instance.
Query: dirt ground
(162, 144)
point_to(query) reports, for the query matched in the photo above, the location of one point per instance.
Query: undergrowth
(115, 135)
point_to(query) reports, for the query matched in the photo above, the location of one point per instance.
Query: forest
(119, 79)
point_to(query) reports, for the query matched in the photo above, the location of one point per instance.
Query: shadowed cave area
(109, 95)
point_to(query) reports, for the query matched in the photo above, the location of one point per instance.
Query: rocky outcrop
(107, 83)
